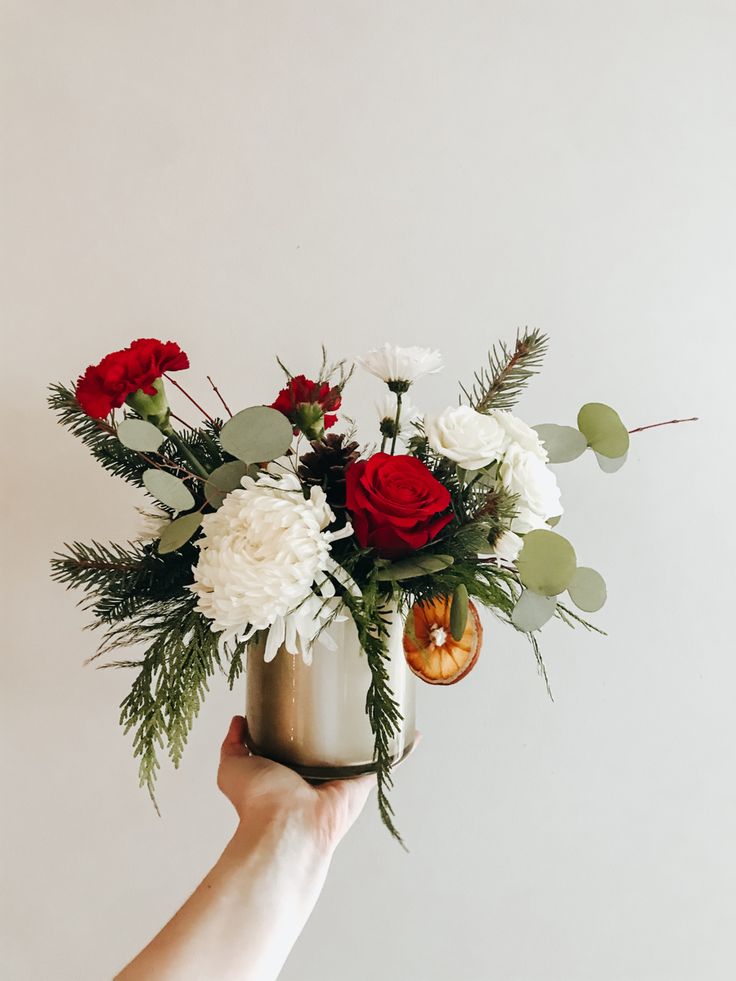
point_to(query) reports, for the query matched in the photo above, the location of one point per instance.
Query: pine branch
(499, 385)
(121, 580)
(381, 707)
(172, 682)
(97, 435)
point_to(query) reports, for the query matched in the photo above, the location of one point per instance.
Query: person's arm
(243, 918)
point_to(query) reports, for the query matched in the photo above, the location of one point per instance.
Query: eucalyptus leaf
(553, 522)
(562, 443)
(546, 563)
(178, 532)
(587, 590)
(532, 611)
(168, 489)
(137, 434)
(602, 427)
(610, 464)
(225, 479)
(257, 435)
(412, 568)
(459, 611)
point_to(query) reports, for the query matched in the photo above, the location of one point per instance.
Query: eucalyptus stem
(179, 443)
(397, 420)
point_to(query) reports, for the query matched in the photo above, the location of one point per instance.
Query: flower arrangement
(266, 520)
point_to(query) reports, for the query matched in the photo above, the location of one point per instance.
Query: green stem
(396, 422)
(179, 443)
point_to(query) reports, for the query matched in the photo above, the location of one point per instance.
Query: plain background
(252, 178)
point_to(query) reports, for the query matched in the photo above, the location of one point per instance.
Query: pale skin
(243, 919)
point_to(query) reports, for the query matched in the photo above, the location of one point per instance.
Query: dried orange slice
(431, 651)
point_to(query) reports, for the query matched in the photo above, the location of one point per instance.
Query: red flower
(396, 505)
(307, 403)
(105, 386)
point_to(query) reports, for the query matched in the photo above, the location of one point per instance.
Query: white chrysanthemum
(401, 365)
(524, 473)
(386, 408)
(467, 437)
(518, 432)
(260, 556)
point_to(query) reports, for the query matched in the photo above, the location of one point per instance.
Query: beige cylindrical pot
(312, 717)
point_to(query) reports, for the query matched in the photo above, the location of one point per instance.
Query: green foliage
(257, 434)
(370, 616)
(120, 580)
(499, 384)
(140, 597)
(171, 684)
(98, 436)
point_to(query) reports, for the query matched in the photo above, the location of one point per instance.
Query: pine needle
(500, 384)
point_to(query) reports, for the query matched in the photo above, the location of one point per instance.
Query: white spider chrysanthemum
(399, 367)
(386, 408)
(260, 556)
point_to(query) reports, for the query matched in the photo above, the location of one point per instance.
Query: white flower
(401, 365)
(465, 436)
(153, 525)
(261, 553)
(507, 547)
(524, 473)
(386, 408)
(518, 432)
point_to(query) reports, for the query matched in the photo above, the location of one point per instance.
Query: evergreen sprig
(499, 384)
(120, 580)
(172, 681)
(97, 435)
(371, 619)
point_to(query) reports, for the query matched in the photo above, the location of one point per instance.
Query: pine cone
(325, 467)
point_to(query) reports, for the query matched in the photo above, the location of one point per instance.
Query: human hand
(262, 791)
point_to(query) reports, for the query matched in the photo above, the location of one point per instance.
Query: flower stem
(397, 420)
(179, 443)
(670, 422)
(187, 395)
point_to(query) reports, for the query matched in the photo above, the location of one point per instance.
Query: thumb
(234, 742)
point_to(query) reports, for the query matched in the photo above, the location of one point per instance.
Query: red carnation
(105, 386)
(308, 405)
(395, 503)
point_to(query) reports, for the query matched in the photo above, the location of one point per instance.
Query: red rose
(396, 505)
(308, 405)
(105, 386)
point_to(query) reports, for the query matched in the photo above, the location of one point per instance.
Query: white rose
(518, 432)
(525, 474)
(465, 436)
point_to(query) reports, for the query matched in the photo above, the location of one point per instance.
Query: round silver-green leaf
(602, 427)
(224, 479)
(562, 443)
(137, 434)
(178, 532)
(546, 563)
(257, 435)
(587, 590)
(532, 611)
(168, 489)
(610, 464)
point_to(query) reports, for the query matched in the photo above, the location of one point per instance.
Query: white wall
(250, 178)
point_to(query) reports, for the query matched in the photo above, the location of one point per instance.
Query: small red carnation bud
(308, 405)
